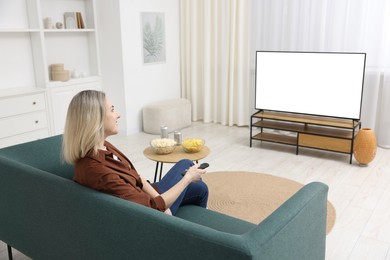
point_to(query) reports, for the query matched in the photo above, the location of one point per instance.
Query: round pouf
(364, 149)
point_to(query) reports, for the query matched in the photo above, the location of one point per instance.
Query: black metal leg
(155, 172)
(161, 167)
(9, 252)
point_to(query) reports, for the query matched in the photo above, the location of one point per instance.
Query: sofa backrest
(44, 154)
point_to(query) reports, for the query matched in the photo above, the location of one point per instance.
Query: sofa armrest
(296, 230)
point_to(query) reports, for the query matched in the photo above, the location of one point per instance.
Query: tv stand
(323, 133)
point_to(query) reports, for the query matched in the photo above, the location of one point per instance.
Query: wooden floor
(361, 195)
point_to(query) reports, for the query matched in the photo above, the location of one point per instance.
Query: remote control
(202, 166)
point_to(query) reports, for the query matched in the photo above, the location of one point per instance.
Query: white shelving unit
(27, 49)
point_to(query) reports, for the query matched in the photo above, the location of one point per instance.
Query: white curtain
(215, 46)
(217, 69)
(335, 25)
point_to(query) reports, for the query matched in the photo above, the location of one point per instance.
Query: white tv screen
(314, 83)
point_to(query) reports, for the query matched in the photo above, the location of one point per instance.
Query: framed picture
(153, 36)
(70, 20)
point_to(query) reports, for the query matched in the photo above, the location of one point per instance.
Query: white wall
(127, 81)
(110, 46)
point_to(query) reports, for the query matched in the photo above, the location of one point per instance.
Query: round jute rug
(236, 193)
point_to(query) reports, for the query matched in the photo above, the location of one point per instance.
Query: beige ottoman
(173, 113)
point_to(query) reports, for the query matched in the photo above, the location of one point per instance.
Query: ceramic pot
(364, 149)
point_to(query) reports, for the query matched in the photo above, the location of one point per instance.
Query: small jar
(47, 23)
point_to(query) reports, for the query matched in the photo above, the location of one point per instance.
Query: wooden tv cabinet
(323, 133)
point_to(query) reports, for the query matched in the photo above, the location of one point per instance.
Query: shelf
(275, 138)
(56, 9)
(68, 30)
(280, 126)
(27, 49)
(301, 128)
(316, 132)
(76, 49)
(19, 30)
(92, 79)
(314, 120)
(328, 131)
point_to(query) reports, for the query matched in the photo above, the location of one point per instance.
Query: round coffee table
(177, 155)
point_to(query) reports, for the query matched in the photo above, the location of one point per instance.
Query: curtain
(334, 25)
(219, 39)
(215, 46)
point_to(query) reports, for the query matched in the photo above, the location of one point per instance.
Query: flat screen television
(313, 83)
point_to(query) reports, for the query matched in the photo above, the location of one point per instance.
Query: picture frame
(70, 20)
(153, 37)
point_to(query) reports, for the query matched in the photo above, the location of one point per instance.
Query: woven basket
(364, 149)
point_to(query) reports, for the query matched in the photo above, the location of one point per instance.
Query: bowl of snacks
(192, 145)
(163, 145)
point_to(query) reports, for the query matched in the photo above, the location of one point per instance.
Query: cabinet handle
(36, 121)
(34, 103)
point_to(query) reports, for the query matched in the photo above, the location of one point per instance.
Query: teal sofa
(46, 215)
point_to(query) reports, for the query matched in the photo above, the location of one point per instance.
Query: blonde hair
(84, 126)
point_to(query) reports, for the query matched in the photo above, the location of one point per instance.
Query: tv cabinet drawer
(326, 143)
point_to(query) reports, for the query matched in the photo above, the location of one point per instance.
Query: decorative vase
(364, 148)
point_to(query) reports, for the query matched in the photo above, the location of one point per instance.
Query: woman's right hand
(194, 174)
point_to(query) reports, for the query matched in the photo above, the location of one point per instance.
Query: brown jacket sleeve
(113, 177)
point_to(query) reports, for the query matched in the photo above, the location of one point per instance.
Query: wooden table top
(177, 155)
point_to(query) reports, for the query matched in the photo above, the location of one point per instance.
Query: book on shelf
(80, 21)
(74, 20)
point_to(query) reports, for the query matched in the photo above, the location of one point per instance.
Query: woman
(99, 165)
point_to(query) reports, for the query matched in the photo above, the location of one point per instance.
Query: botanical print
(153, 30)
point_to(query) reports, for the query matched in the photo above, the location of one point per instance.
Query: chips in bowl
(192, 145)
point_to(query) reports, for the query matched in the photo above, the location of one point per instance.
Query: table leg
(156, 171)
(161, 167)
